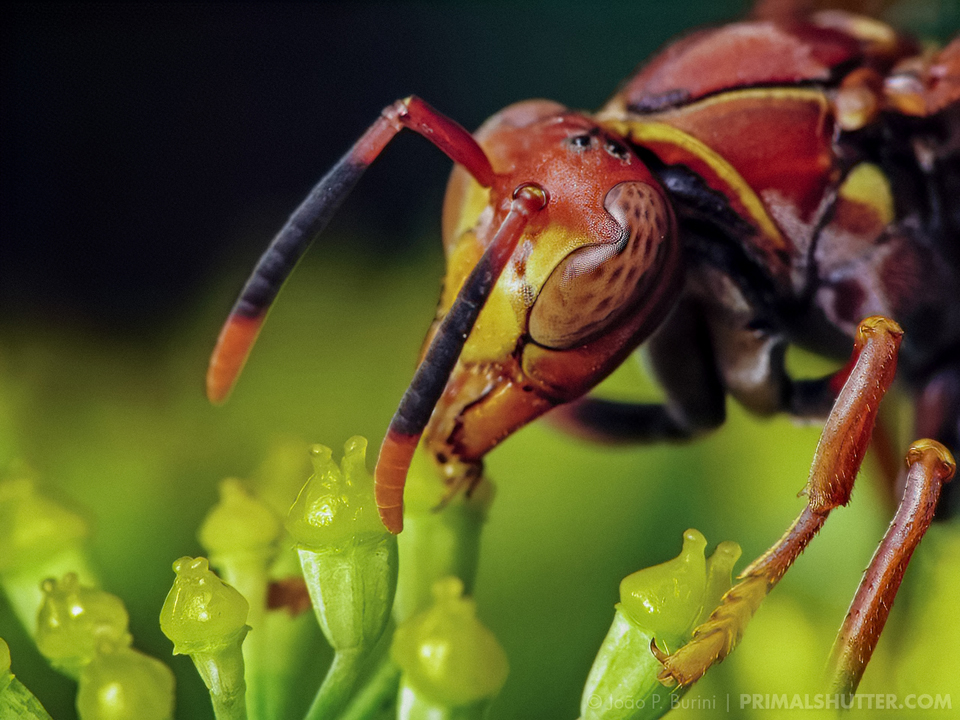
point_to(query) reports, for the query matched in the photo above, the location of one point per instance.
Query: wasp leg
(843, 443)
(698, 359)
(931, 465)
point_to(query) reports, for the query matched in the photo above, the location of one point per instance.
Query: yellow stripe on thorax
(642, 132)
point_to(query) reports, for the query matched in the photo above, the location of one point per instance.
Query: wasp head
(592, 273)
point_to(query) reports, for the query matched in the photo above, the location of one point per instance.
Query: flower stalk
(441, 535)
(240, 535)
(206, 619)
(349, 563)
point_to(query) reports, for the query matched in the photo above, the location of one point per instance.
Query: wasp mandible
(768, 183)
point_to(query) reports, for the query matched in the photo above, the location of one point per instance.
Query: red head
(593, 272)
(562, 257)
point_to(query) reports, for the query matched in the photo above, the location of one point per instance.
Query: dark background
(149, 147)
(146, 148)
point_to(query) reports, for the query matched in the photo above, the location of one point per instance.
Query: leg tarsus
(720, 634)
(716, 638)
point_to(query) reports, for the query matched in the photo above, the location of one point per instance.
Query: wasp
(776, 182)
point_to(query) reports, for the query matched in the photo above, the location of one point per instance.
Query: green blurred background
(148, 154)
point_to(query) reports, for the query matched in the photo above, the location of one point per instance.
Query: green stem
(413, 705)
(433, 546)
(382, 685)
(222, 672)
(249, 576)
(287, 643)
(337, 685)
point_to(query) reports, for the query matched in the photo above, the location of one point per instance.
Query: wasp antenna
(275, 265)
(431, 377)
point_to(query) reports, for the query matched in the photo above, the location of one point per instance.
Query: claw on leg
(930, 466)
(844, 440)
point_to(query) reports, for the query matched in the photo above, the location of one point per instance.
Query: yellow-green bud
(348, 558)
(33, 527)
(74, 621)
(125, 684)
(666, 599)
(280, 476)
(446, 654)
(336, 506)
(240, 523)
(201, 612)
(206, 619)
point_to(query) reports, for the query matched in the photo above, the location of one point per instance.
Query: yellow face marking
(505, 316)
(475, 200)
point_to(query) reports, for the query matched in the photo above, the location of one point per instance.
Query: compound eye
(593, 285)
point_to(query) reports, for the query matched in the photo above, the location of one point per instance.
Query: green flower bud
(124, 684)
(666, 599)
(448, 658)
(33, 527)
(74, 621)
(39, 538)
(16, 701)
(280, 476)
(206, 619)
(661, 604)
(239, 526)
(336, 506)
(349, 560)
(201, 612)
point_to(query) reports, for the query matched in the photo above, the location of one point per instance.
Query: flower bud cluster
(83, 632)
